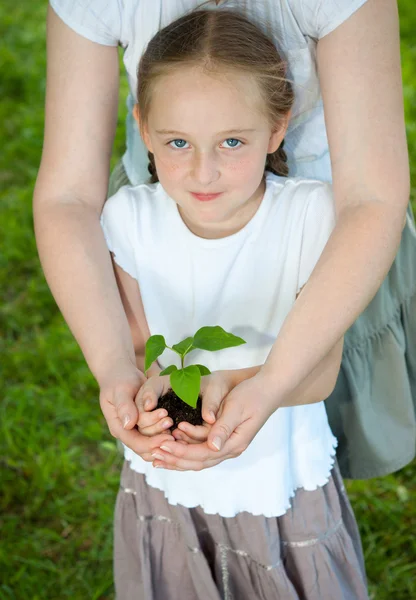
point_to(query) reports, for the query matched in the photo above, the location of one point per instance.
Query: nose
(205, 168)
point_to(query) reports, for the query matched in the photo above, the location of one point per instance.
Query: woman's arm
(359, 70)
(80, 120)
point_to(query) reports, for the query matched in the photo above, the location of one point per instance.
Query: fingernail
(126, 420)
(166, 449)
(166, 424)
(217, 443)
(147, 403)
(157, 456)
(212, 414)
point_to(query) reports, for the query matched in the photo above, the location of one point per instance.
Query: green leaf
(186, 384)
(168, 370)
(184, 347)
(155, 346)
(203, 370)
(215, 338)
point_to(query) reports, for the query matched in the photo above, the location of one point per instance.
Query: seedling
(186, 381)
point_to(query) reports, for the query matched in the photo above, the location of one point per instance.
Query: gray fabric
(165, 552)
(118, 178)
(372, 409)
(375, 395)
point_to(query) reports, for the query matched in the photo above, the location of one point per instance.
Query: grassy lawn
(59, 465)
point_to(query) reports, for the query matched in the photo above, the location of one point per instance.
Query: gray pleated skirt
(375, 396)
(166, 552)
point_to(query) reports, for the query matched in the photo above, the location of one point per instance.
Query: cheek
(246, 168)
(169, 167)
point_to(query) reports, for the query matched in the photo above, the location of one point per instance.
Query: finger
(159, 427)
(126, 409)
(182, 437)
(221, 431)
(146, 399)
(183, 465)
(151, 391)
(198, 433)
(134, 440)
(172, 452)
(211, 402)
(147, 419)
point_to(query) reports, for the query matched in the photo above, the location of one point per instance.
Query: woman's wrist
(115, 367)
(236, 376)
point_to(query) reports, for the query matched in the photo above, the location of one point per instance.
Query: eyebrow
(228, 132)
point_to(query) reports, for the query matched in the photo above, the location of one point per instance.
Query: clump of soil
(179, 411)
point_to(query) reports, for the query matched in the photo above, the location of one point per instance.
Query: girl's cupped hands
(151, 421)
(240, 415)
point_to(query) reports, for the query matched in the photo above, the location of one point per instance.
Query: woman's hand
(241, 415)
(118, 391)
(151, 421)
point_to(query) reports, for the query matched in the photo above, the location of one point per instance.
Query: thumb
(211, 402)
(229, 420)
(126, 409)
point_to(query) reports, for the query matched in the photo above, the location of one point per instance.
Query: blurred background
(59, 466)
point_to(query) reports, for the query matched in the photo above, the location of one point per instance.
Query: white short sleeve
(317, 18)
(118, 224)
(97, 20)
(318, 225)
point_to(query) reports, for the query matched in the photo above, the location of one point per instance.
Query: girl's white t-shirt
(294, 25)
(246, 283)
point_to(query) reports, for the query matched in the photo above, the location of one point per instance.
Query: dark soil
(179, 411)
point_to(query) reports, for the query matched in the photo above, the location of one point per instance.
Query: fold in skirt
(166, 552)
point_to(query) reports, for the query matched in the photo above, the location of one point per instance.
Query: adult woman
(356, 48)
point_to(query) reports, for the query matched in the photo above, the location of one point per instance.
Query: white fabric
(247, 283)
(294, 25)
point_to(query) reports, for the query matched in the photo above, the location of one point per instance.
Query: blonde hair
(219, 40)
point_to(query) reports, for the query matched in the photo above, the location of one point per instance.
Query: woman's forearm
(316, 387)
(78, 269)
(352, 267)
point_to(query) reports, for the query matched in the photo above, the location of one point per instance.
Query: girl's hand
(214, 388)
(117, 394)
(151, 420)
(242, 414)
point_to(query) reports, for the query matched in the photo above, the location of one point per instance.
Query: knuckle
(122, 406)
(224, 429)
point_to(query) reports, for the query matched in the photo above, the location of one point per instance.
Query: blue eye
(179, 144)
(232, 143)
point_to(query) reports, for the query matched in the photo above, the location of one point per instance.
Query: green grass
(59, 466)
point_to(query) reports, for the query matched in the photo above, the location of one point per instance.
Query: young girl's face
(210, 137)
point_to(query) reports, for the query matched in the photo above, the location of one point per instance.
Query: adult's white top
(294, 25)
(246, 283)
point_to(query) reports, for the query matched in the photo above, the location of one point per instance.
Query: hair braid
(277, 162)
(152, 168)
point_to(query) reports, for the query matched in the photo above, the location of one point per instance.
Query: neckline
(192, 238)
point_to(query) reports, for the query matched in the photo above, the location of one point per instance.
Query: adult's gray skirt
(166, 552)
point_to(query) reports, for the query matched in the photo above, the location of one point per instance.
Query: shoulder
(98, 21)
(131, 202)
(300, 189)
(317, 18)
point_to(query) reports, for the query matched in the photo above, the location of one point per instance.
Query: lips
(205, 197)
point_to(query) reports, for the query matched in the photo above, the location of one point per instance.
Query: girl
(219, 240)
